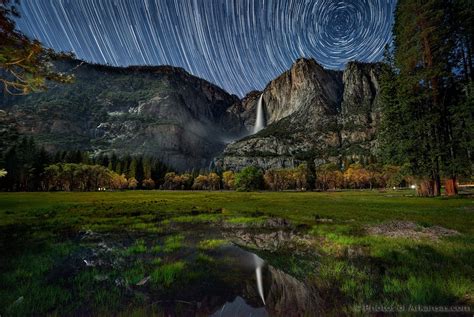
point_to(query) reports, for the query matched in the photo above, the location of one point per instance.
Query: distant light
(413, 186)
(394, 187)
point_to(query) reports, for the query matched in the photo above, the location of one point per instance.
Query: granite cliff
(312, 114)
(159, 111)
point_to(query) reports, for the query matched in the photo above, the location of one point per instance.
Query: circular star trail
(239, 45)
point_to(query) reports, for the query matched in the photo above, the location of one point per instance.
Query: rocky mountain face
(312, 114)
(158, 111)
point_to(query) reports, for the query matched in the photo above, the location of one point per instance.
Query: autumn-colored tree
(170, 182)
(214, 181)
(329, 176)
(301, 176)
(356, 176)
(118, 181)
(228, 178)
(148, 183)
(185, 181)
(132, 183)
(201, 182)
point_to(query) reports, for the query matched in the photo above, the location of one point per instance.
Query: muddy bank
(410, 230)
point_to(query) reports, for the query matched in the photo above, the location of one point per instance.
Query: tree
(118, 168)
(329, 176)
(201, 182)
(73, 176)
(132, 183)
(228, 178)
(148, 183)
(356, 176)
(419, 93)
(214, 181)
(118, 181)
(132, 170)
(147, 168)
(24, 64)
(186, 181)
(174, 181)
(302, 176)
(248, 179)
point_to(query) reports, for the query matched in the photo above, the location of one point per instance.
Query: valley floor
(161, 253)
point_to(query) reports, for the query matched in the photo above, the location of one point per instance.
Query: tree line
(325, 177)
(28, 167)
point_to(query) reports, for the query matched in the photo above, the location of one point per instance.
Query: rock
(143, 281)
(159, 111)
(276, 223)
(272, 241)
(312, 114)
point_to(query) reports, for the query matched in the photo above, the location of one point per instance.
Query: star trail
(239, 45)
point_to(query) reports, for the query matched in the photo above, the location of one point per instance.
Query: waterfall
(260, 120)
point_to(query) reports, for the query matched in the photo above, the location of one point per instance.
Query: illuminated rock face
(159, 111)
(311, 114)
(308, 113)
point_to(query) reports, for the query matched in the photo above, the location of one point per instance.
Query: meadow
(366, 247)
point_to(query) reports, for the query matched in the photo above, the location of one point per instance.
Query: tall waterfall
(260, 120)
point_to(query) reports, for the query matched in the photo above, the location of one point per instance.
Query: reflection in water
(239, 308)
(258, 274)
(223, 281)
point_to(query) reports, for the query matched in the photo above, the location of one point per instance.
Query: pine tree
(419, 116)
(132, 170)
(147, 168)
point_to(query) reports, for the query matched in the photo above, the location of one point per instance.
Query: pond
(198, 270)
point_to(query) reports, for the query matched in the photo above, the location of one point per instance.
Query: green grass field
(39, 230)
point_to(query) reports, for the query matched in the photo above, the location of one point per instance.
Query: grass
(211, 244)
(173, 243)
(167, 274)
(353, 268)
(137, 248)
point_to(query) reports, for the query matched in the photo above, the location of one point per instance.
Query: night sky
(239, 45)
